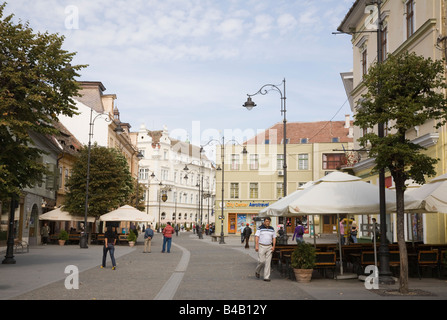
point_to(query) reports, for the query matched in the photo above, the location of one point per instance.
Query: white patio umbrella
(125, 213)
(281, 207)
(341, 193)
(59, 214)
(433, 195)
(345, 194)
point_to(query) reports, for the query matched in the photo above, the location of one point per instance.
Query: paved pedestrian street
(194, 270)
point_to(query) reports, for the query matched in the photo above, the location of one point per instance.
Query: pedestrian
(167, 237)
(265, 240)
(109, 246)
(242, 233)
(299, 232)
(247, 234)
(45, 233)
(176, 228)
(148, 235)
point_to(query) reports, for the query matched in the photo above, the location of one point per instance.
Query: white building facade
(173, 194)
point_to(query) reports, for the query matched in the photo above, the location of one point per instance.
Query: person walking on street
(167, 237)
(148, 235)
(298, 234)
(109, 246)
(247, 234)
(242, 233)
(45, 232)
(265, 240)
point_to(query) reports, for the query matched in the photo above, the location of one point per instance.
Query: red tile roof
(315, 132)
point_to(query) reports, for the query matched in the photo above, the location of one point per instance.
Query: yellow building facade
(254, 180)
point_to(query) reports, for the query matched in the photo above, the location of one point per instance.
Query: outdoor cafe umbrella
(433, 195)
(59, 214)
(281, 207)
(341, 193)
(125, 213)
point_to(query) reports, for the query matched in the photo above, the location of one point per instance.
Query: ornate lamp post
(119, 130)
(222, 145)
(249, 104)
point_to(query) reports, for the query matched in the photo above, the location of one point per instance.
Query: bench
(123, 238)
(20, 244)
(74, 237)
(215, 237)
(326, 260)
(100, 238)
(427, 258)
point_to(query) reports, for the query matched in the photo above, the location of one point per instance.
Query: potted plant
(131, 238)
(63, 236)
(303, 261)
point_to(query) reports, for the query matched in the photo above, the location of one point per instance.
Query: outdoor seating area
(356, 257)
(96, 238)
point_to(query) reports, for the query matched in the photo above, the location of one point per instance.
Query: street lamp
(119, 130)
(249, 104)
(200, 185)
(222, 145)
(385, 274)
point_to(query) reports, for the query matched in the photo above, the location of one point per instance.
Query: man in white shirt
(265, 240)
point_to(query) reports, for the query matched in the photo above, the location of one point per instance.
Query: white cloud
(286, 22)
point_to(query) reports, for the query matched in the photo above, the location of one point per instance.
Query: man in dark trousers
(247, 234)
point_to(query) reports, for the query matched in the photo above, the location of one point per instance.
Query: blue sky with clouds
(189, 64)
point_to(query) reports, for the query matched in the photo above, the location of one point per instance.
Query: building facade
(173, 194)
(255, 180)
(408, 25)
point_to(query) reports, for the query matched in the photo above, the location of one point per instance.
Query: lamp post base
(83, 241)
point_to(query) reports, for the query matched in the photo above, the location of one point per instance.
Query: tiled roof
(315, 132)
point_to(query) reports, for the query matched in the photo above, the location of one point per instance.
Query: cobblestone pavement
(196, 269)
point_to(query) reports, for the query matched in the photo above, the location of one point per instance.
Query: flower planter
(61, 242)
(303, 275)
(131, 243)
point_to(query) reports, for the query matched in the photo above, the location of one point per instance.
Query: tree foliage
(403, 92)
(37, 84)
(110, 183)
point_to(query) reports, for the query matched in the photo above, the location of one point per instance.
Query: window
(335, 140)
(254, 161)
(365, 62)
(280, 162)
(410, 17)
(254, 191)
(332, 161)
(304, 140)
(279, 190)
(234, 162)
(303, 161)
(234, 191)
(164, 174)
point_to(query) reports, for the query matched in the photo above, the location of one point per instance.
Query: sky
(189, 64)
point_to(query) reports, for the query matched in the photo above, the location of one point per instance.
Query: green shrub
(303, 257)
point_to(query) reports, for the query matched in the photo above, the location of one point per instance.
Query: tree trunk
(400, 190)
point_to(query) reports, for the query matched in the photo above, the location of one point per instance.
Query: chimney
(347, 121)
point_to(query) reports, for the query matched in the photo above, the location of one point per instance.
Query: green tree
(403, 92)
(110, 183)
(37, 84)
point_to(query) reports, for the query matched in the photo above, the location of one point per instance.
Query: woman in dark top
(109, 246)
